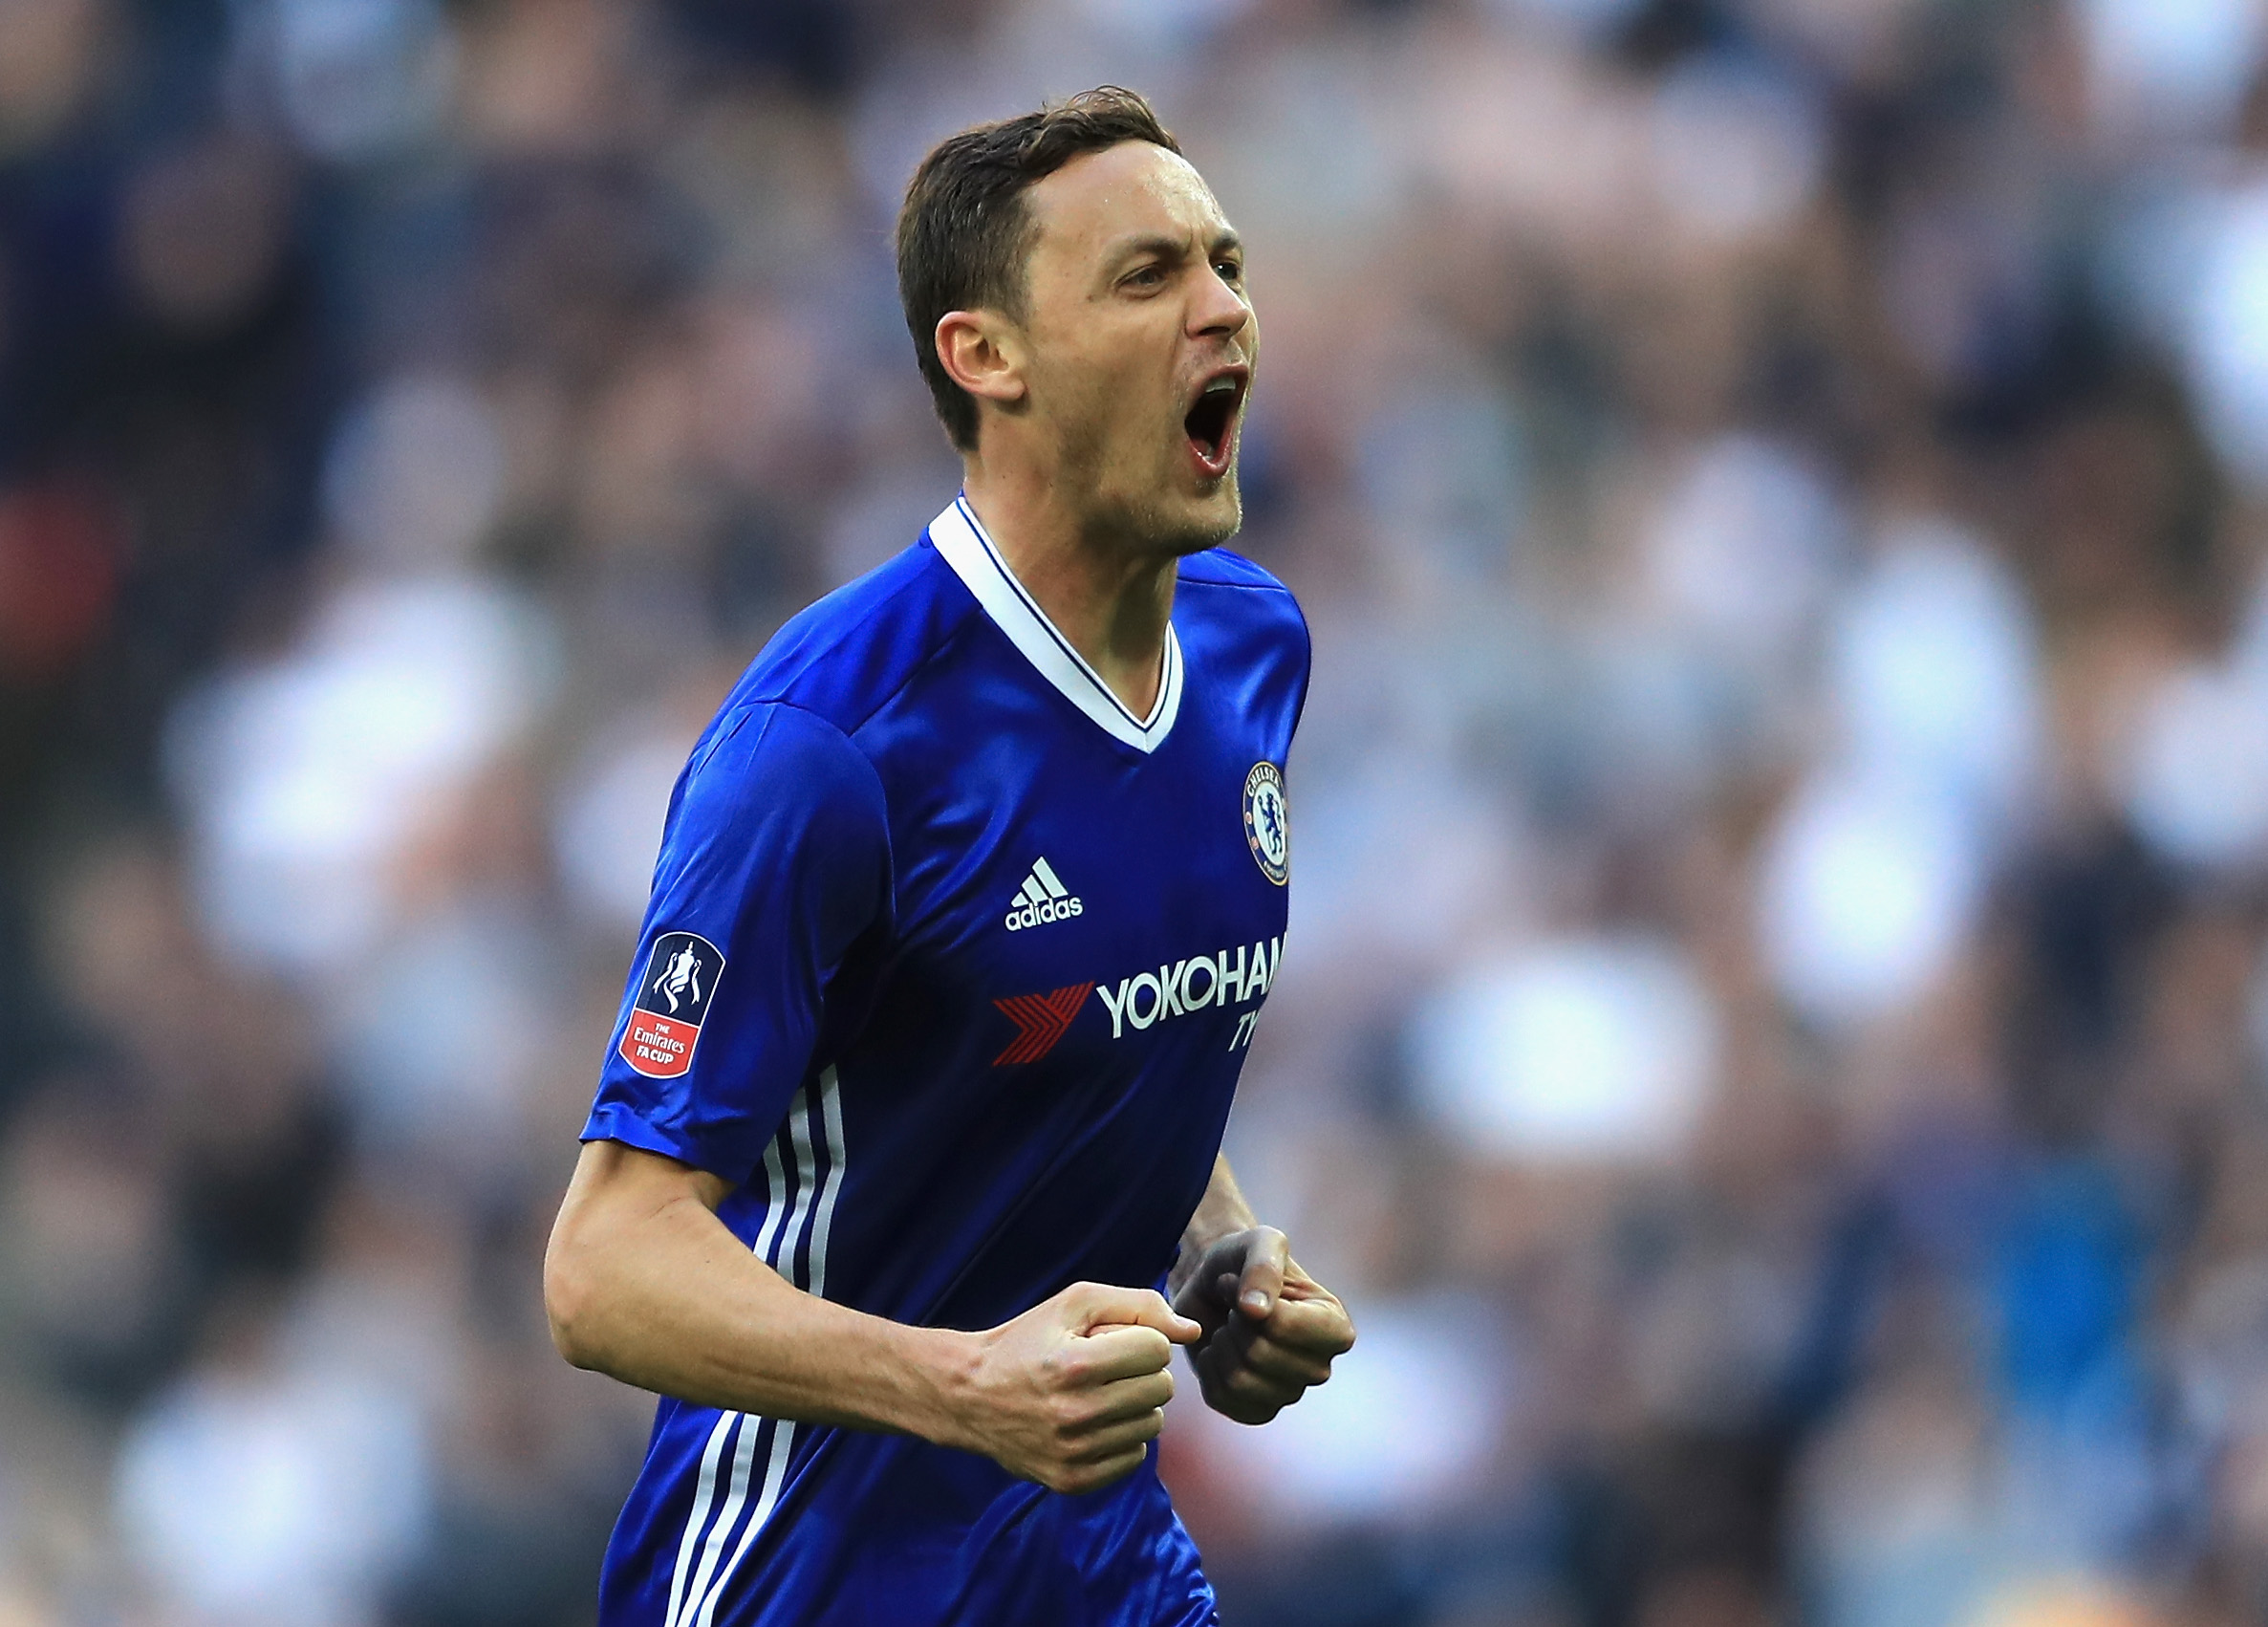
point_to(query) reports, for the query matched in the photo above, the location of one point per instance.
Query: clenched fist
(1269, 1330)
(1071, 1393)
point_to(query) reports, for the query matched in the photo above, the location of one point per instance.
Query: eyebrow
(1224, 242)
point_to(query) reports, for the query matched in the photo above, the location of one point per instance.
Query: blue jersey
(950, 967)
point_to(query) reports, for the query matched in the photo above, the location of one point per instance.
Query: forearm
(1220, 1212)
(661, 1294)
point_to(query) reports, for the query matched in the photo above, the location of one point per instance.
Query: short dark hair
(965, 230)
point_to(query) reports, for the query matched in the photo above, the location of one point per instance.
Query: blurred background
(1774, 1039)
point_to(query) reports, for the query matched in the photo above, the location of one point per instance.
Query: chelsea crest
(1268, 822)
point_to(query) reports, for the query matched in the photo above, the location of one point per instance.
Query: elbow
(569, 1301)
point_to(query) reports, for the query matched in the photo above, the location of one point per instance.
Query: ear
(982, 353)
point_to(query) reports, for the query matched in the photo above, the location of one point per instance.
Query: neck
(1105, 593)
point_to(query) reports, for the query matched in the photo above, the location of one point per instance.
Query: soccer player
(967, 903)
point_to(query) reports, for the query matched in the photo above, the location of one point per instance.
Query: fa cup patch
(1268, 822)
(673, 996)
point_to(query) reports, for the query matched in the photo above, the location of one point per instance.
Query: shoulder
(1227, 597)
(1223, 568)
(767, 759)
(843, 658)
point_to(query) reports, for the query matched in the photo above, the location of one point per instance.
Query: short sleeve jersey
(950, 966)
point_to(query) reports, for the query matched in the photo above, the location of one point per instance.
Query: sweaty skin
(1084, 474)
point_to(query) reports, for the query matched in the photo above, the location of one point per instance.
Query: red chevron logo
(1041, 1020)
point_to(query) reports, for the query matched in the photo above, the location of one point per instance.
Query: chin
(1171, 513)
(1201, 520)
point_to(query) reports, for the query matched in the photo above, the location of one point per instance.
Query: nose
(1217, 310)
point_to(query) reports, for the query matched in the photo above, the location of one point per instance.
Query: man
(969, 898)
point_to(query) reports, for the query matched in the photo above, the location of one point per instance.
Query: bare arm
(644, 1283)
(1272, 1331)
(1220, 1211)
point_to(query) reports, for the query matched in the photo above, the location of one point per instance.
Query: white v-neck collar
(960, 538)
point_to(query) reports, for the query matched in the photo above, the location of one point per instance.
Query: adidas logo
(1042, 899)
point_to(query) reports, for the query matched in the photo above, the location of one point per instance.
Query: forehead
(1134, 189)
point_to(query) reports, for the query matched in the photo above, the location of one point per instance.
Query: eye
(1231, 271)
(1145, 276)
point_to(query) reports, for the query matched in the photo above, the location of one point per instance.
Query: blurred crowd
(1773, 1032)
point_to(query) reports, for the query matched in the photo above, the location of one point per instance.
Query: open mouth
(1212, 420)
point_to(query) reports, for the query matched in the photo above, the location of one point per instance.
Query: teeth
(1221, 388)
